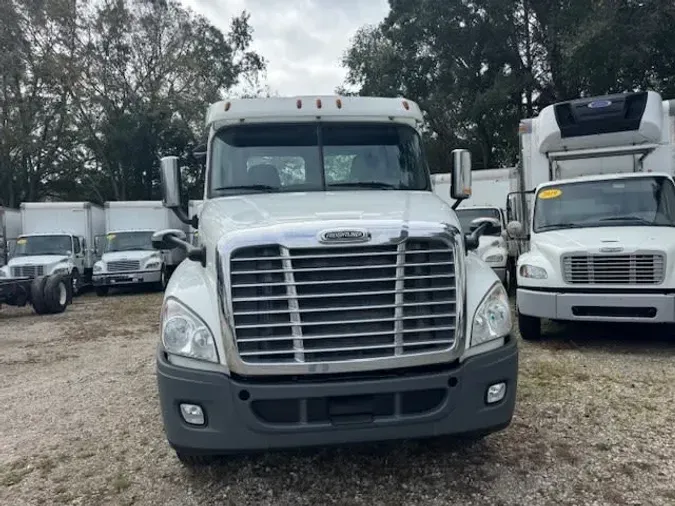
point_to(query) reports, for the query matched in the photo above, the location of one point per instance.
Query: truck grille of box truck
(343, 303)
(28, 271)
(124, 265)
(633, 269)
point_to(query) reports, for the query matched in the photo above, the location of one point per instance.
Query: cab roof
(313, 108)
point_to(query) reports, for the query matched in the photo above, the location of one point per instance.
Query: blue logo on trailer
(599, 104)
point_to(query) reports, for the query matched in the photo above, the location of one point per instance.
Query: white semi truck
(331, 297)
(127, 254)
(57, 238)
(490, 189)
(10, 229)
(601, 223)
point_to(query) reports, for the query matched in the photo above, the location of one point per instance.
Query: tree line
(476, 67)
(92, 93)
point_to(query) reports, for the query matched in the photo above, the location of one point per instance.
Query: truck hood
(140, 255)
(224, 215)
(593, 239)
(37, 260)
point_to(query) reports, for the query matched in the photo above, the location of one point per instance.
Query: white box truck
(490, 189)
(331, 297)
(600, 219)
(10, 229)
(57, 238)
(127, 255)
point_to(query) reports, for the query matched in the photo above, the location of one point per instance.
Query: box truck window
(128, 241)
(612, 202)
(466, 216)
(43, 245)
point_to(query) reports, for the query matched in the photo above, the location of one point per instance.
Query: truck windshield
(316, 157)
(43, 245)
(613, 202)
(128, 241)
(466, 216)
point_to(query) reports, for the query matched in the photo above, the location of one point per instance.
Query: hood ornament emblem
(614, 249)
(344, 235)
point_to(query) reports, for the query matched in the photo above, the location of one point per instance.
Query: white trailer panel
(140, 215)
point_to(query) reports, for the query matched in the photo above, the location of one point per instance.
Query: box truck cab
(601, 223)
(127, 254)
(331, 297)
(492, 245)
(489, 192)
(57, 238)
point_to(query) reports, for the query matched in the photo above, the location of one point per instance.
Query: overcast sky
(302, 40)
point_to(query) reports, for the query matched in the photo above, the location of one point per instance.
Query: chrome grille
(28, 271)
(633, 269)
(343, 303)
(124, 265)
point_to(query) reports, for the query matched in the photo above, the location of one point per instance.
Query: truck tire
(56, 293)
(102, 291)
(76, 279)
(163, 279)
(530, 327)
(37, 295)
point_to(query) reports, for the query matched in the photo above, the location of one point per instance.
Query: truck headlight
(61, 269)
(98, 267)
(152, 266)
(184, 333)
(532, 271)
(493, 317)
(493, 259)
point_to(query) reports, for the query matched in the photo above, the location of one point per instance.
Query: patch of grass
(14, 472)
(120, 482)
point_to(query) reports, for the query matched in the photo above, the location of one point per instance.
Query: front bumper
(608, 307)
(246, 415)
(126, 278)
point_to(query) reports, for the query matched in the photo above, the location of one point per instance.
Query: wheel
(77, 282)
(530, 327)
(56, 293)
(163, 280)
(194, 461)
(102, 291)
(37, 297)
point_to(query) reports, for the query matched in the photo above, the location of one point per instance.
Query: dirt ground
(80, 424)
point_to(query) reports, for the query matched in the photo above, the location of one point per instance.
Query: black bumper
(246, 415)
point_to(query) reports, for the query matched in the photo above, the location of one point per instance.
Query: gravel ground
(80, 424)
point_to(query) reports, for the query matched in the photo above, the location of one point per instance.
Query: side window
(84, 244)
(76, 245)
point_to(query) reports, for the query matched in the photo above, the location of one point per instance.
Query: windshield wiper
(258, 187)
(364, 184)
(560, 225)
(628, 218)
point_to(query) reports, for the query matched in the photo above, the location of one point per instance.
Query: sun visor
(600, 122)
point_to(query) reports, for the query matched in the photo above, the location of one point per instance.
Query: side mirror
(515, 229)
(172, 238)
(460, 188)
(492, 225)
(168, 239)
(170, 178)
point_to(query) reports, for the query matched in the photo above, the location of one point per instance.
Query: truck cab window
(76, 245)
(316, 157)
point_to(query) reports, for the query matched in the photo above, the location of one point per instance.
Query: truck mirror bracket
(173, 238)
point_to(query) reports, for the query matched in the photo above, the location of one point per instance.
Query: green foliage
(477, 67)
(93, 93)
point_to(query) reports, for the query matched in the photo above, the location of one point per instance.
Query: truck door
(78, 254)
